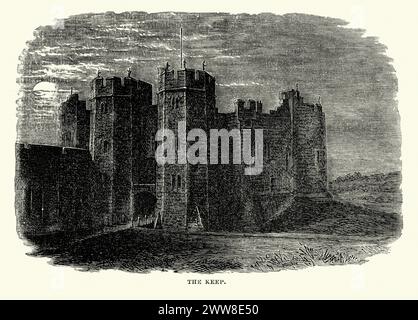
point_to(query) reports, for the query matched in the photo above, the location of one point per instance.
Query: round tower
(309, 146)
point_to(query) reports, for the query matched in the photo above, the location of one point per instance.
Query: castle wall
(53, 189)
(122, 159)
(276, 181)
(144, 166)
(144, 126)
(244, 202)
(226, 198)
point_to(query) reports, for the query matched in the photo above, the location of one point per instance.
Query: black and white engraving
(207, 142)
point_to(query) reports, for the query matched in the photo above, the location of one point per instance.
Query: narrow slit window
(173, 182)
(106, 146)
(178, 182)
(272, 184)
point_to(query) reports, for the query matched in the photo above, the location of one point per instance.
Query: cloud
(225, 57)
(241, 84)
(250, 56)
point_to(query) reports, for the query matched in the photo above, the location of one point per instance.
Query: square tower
(187, 95)
(74, 123)
(115, 141)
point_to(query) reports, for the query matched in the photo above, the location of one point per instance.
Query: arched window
(320, 158)
(67, 138)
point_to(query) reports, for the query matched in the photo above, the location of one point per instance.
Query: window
(173, 182)
(106, 146)
(178, 182)
(151, 147)
(288, 160)
(272, 184)
(67, 138)
(320, 159)
(267, 151)
(104, 108)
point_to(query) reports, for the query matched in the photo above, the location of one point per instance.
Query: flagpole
(181, 48)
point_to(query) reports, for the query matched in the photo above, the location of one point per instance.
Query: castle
(104, 173)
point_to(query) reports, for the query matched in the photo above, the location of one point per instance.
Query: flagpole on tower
(181, 47)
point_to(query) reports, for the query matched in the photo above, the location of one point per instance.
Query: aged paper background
(384, 276)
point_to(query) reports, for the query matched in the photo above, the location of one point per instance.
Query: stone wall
(54, 189)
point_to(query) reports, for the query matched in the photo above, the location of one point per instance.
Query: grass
(153, 250)
(305, 256)
(336, 218)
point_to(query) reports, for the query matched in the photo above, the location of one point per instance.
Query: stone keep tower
(308, 145)
(74, 123)
(114, 141)
(182, 189)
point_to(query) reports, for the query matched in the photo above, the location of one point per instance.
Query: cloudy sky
(251, 56)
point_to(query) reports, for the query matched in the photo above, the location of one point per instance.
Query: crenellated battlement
(248, 107)
(293, 97)
(73, 97)
(253, 110)
(312, 108)
(184, 78)
(73, 104)
(117, 86)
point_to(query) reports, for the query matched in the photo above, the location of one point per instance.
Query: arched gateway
(144, 209)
